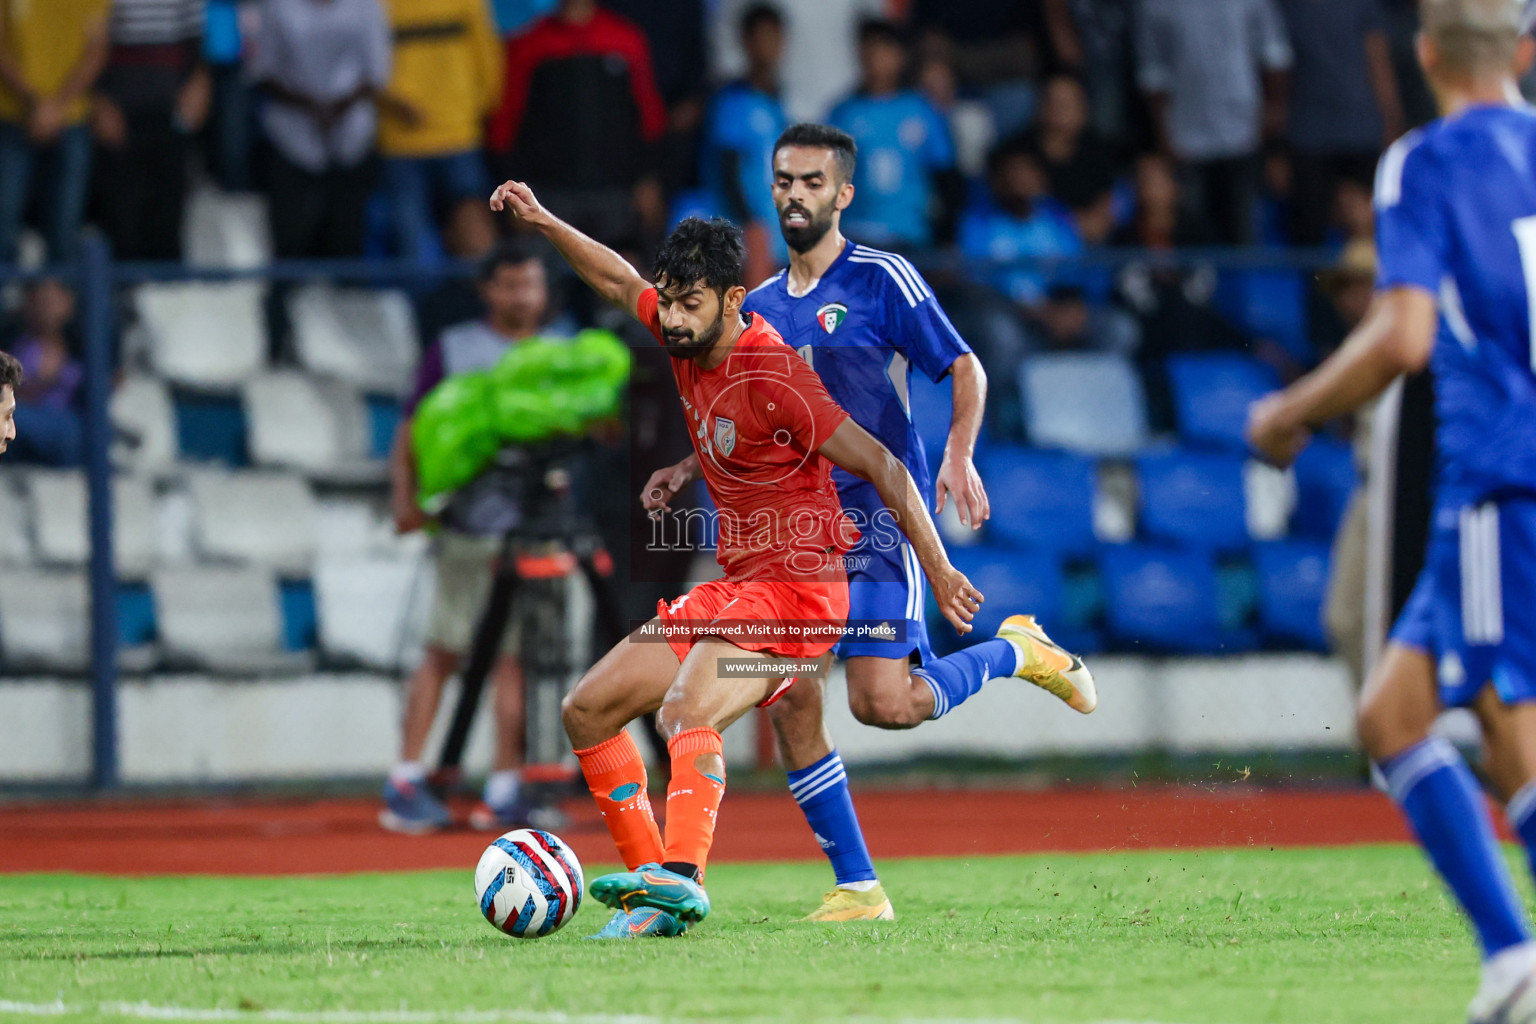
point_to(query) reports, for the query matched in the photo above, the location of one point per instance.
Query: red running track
(262, 837)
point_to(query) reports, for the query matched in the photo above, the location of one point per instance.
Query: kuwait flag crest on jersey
(830, 315)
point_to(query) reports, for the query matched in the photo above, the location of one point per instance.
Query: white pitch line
(147, 1011)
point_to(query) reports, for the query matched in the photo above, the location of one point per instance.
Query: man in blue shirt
(906, 157)
(1021, 221)
(744, 119)
(863, 318)
(1456, 238)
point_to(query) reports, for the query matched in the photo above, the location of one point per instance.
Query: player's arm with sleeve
(1397, 334)
(927, 338)
(824, 426)
(604, 270)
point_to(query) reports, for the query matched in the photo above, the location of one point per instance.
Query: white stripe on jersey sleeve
(766, 283)
(1389, 173)
(902, 272)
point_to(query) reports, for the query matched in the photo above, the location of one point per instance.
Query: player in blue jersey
(1456, 288)
(863, 319)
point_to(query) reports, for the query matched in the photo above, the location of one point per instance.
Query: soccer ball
(528, 883)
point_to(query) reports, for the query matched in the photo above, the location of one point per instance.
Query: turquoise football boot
(651, 885)
(636, 924)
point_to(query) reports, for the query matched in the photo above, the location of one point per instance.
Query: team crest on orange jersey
(725, 435)
(830, 315)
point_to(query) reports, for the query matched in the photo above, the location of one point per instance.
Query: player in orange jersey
(767, 435)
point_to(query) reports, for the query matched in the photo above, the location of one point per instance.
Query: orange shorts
(794, 620)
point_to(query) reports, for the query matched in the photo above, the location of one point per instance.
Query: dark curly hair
(823, 136)
(10, 371)
(698, 250)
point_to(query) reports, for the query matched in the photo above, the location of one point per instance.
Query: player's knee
(884, 709)
(1383, 728)
(580, 714)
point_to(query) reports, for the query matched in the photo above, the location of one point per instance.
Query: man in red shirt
(767, 435)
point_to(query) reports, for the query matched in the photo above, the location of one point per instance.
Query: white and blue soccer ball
(528, 883)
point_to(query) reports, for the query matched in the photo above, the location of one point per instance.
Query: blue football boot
(652, 885)
(412, 809)
(635, 924)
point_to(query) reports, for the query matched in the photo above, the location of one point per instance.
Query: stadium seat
(1325, 478)
(211, 428)
(1040, 498)
(1211, 395)
(259, 516)
(204, 335)
(297, 421)
(384, 415)
(45, 620)
(1160, 598)
(61, 521)
(1089, 402)
(143, 424)
(1293, 579)
(368, 607)
(366, 338)
(226, 230)
(223, 619)
(1014, 582)
(1193, 499)
(15, 536)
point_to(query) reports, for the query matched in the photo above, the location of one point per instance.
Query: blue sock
(1521, 813)
(960, 676)
(822, 793)
(1437, 792)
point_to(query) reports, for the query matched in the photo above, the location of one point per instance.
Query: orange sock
(616, 776)
(694, 797)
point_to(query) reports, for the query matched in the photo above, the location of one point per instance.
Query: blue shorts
(886, 586)
(1481, 562)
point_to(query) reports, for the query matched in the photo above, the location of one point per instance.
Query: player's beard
(683, 345)
(803, 237)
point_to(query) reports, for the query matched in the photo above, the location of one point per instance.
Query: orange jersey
(757, 421)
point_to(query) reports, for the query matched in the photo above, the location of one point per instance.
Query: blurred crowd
(1000, 131)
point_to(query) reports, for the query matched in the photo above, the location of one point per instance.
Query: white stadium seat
(204, 335)
(144, 422)
(366, 338)
(258, 516)
(1089, 402)
(222, 619)
(300, 421)
(45, 620)
(61, 521)
(15, 536)
(370, 609)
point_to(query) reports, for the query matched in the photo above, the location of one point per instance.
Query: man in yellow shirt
(447, 68)
(51, 52)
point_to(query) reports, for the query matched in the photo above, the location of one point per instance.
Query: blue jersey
(745, 121)
(1456, 216)
(902, 141)
(868, 321)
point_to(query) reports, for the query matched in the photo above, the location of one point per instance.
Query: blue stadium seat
(1013, 581)
(211, 428)
(1325, 478)
(1212, 392)
(1161, 598)
(135, 614)
(300, 621)
(1193, 499)
(383, 417)
(1040, 498)
(1268, 304)
(1293, 579)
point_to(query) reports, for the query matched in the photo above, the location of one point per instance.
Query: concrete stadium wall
(179, 729)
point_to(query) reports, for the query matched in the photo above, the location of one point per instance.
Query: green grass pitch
(1216, 937)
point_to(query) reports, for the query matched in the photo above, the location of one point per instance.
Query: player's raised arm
(852, 448)
(1396, 336)
(608, 273)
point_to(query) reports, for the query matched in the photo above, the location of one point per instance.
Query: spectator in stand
(1103, 29)
(320, 63)
(1079, 167)
(581, 121)
(150, 103)
(675, 31)
(820, 37)
(1344, 106)
(1214, 76)
(1020, 222)
(446, 77)
(47, 400)
(516, 300)
(10, 379)
(469, 237)
(906, 178)
(232, 121)
(1066, 322)
(50, 56)
(745, 119)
